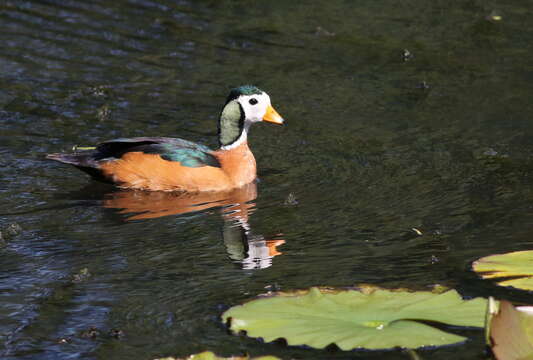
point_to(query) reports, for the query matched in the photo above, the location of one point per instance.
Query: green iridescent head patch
(243, 90)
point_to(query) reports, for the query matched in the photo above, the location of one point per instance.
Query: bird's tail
(84, 161)
(72, 159)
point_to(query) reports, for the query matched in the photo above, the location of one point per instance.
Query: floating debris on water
(407, 55)
(116, 333)
(83, 148)
(490, 152)
(91, 333)
(320, 31)
(99, 91)
(423, 85)
(103, 113)
(82, 275)
(494, 16)
(417, 231)
(13, 229)
(291, 200)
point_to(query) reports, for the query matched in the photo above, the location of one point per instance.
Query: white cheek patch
(254, 113)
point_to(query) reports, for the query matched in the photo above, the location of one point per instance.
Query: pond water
(401, 117)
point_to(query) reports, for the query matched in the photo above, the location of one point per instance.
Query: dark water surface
(379, 140)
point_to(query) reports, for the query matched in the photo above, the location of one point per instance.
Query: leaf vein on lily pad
(351, 319)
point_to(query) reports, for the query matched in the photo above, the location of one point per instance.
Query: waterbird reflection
(251, 251)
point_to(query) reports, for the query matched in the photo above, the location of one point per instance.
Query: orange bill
(272, 116)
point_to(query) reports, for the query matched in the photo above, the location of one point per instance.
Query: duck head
(245, 105)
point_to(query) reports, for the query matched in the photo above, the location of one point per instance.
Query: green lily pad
(208, 355)
(515, 269)
(511, 332)
(369, 318)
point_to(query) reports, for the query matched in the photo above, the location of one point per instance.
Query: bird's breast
(238, 164)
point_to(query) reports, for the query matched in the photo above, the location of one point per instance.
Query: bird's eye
(253, 101)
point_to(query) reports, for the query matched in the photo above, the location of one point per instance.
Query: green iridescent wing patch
(185, 152)
(187, 156)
